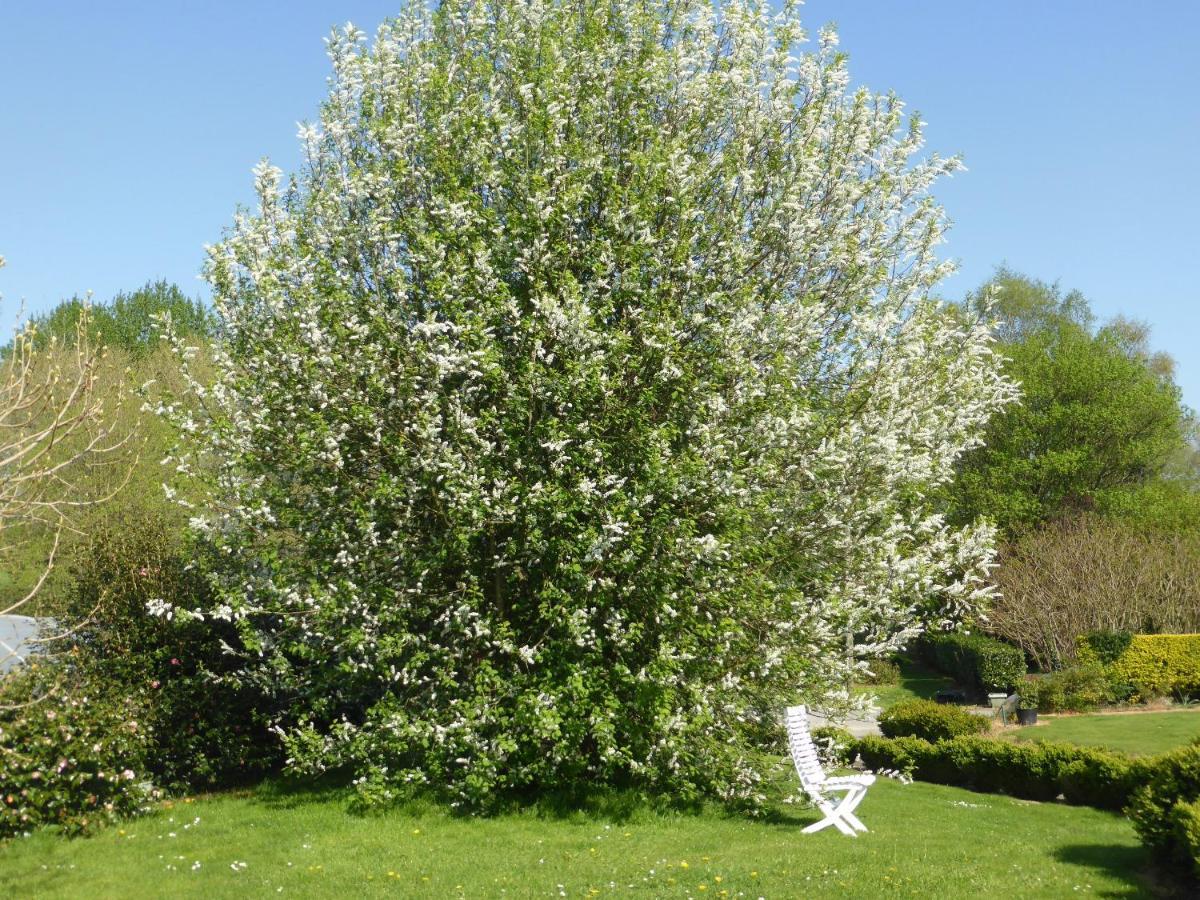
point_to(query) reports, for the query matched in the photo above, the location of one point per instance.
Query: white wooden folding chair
(820, 786)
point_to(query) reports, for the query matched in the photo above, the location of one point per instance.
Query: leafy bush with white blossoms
(581, 395)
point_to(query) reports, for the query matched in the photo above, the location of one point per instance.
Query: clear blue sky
(128, 130)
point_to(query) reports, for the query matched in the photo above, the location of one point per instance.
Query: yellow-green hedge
(1158, 664)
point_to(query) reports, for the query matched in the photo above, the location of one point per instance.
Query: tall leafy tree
(581, 395)
(1099, 422)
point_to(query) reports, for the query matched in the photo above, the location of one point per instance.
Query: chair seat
(849, 781)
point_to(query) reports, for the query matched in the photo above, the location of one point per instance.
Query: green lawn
(915, 681)
(926, 841)
(1140, 733)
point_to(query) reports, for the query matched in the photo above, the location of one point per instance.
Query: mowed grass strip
(926, 841)
(1138, 733)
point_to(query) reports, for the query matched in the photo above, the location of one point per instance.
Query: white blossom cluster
(580, 402)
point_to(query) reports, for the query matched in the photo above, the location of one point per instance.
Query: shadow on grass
(1129, 865)
(282, 792)
(617, 805)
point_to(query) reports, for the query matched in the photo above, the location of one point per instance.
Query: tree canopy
(581, 397)
(127, 321)
(1099, 421)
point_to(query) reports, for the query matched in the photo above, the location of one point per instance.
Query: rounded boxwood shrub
(1185, 817)
(1038, 771)
(1103, 779)
(989, 765)
(1175, 780)
(903, 754)
(929, 720)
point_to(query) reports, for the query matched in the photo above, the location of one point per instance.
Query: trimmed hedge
(1161, 794)
(1169, 831)
(1157, 665)
(976, 660)
(929, 720)
(1084, 776)
(1185, 819)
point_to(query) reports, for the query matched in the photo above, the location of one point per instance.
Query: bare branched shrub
(57, 429)
(1087, 574)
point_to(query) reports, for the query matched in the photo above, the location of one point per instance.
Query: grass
(926, 841)
(916, 681)
(1139, 733)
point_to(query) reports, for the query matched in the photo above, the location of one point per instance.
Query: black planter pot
(1026, 716)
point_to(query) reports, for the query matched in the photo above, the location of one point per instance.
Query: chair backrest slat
(803, 750)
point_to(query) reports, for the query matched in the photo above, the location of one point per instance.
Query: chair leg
(854, 821)
(848, 813)
(844, 810)
(833, 816)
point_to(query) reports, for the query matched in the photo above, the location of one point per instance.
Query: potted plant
(1027, 702)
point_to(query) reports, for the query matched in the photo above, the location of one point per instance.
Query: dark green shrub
(207, 732)
(74, 753)
(1029, 694)
(975, 660)
(1175, 780)
(901, 754)
(929, 720)
(1120, 689)
(1108, 645)
(985, 764)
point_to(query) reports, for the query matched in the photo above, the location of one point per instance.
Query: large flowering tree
(580, 398)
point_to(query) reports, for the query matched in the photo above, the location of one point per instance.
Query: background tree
(1091, 573)
(128, 322)
(581, 396)
(118, 347)
(54, 427)
(1099, 423)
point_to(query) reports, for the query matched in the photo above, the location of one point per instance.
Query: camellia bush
(578, 401)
